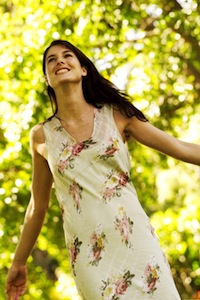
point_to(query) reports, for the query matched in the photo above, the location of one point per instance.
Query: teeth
(61, 71)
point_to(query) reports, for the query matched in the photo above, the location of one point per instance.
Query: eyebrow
(52, 55)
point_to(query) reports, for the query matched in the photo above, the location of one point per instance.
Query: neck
(71, 103)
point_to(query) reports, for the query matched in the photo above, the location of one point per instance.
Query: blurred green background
(151, 49)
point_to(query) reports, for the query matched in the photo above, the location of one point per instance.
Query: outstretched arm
(155, 138)
(38, 205)
(148, 135)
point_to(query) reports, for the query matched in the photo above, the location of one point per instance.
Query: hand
(16, 282)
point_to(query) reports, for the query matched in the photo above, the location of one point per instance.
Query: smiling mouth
(61, 71)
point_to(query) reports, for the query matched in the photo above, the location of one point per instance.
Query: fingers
(14, 293)
(16, 282)
(8, 293)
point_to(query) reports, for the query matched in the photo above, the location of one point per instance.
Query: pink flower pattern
(116, 286)
(97, 246)
(75, 190)
(111, 148)
(113, 184)
(74, 249)
(125, 225)
(69, 152)
(151, 276)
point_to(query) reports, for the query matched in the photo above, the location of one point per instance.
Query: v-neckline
(58, 121)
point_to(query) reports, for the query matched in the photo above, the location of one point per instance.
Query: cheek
(49, 67)
(46, 80)
(49, 73)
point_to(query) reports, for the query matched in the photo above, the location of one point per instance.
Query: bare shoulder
(37, 133)
(121, 122)
(37, 140)
(132, 128)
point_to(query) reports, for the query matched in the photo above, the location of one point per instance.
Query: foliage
(150, 49)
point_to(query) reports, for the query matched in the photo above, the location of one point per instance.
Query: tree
(150, 49)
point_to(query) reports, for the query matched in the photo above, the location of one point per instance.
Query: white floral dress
(114, 252)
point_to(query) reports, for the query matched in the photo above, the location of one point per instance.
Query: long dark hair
(97, 90)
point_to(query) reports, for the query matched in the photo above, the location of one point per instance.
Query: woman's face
(62, 67)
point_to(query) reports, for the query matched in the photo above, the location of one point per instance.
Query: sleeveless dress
(114, 252)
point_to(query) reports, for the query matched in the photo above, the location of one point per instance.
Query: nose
(60, 61)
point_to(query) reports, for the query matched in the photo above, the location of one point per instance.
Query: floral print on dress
(69, 153)
(111, 148)
(113, 184)
(152, 230)
(74, 249)
(116, 286)
(167, 263)
(125, 226)
(62, 211)
(59, 128)
(76, 190)
(97, 246)
(151, 276)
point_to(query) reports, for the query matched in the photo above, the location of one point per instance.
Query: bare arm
(34, 218)
(38, 205)
(155, 138)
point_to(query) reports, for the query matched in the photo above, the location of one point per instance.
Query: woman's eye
(51, 59)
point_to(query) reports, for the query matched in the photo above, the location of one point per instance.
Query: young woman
(113, 250)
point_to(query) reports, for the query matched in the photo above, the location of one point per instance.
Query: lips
(62, 70)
